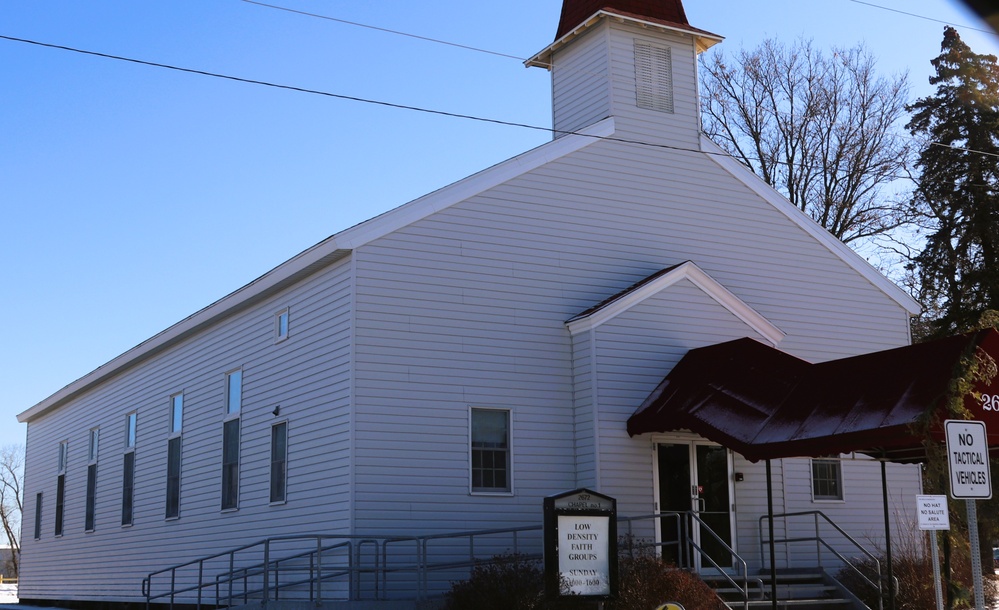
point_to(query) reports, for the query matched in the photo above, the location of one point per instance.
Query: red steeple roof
(575, 12)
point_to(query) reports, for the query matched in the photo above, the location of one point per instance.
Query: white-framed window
(230, 440)
(174, 447)
(128, 469)
(63, 457)
(60, 502)
(38, 516)
(176, 413)
(827, 480)
(279, 462)
(281, 325)
(91, 498)
(489, 450)
(233, 392)
(92, 451)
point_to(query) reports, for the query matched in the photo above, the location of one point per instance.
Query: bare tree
(822, 130)
(11, 500)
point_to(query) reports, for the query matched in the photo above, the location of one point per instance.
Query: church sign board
(580, 545)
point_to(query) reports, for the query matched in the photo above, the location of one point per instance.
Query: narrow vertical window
(279, 462)
(234, 392)
(281, 325)
(827, 479)
(61, 485)
(38, 516)
(173, 456)
(90, 512)
(128, 470)
(490, 450)
(230, 440)
(654, 77)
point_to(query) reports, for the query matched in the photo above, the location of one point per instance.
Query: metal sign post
(934, 516)
(970, 480)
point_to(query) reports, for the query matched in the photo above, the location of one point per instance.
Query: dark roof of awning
(766, 404)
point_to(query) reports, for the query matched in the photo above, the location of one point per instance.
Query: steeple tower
(633, 60)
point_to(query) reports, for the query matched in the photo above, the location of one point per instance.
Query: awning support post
(890, 581)
(770, 524)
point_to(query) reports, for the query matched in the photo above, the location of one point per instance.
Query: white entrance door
(695, 476)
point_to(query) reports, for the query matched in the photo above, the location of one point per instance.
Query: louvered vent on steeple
(654, 76)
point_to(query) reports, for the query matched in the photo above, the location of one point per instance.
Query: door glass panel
(674, 496)
(713, 504)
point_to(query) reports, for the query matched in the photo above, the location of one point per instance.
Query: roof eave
(542, 59)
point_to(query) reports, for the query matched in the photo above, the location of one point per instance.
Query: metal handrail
(260, 578)
(821, 543)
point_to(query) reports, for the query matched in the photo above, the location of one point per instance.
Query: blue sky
(133, 196)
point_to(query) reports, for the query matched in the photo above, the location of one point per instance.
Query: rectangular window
(827, 479)
(60, 498)
(176, 413)
(130, 421)
(92, 453)
(279, 461)
(173, 478)
(230, 464)
(174, 444)
(38, 516)
(490, 450)
(61, 485)
(281, 325)
(63, 456)
(91, 497)
(127, 487)
(234, 392)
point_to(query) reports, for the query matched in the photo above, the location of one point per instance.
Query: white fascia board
(288, 273)
(747, 177)
(691, 272)
(475, 184)
(543, 58)
(325, 253)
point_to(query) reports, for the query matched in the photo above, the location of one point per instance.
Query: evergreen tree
(958, 189)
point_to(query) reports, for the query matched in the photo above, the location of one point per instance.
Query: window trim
(90, 509)
(38, 516)
(232, 479)
(285, 315)
(176, 400)
(229, 412)
(128, 487)
(509, 491)
(60, 507)
(179, 440)
(284, 466)
(93, 445)
(839, 480)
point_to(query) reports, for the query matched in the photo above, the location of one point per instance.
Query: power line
(895, 10)
(444, 113)
(386, 30)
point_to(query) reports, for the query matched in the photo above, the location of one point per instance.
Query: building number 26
(990, 402)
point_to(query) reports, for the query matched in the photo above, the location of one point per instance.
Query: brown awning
(766, 404)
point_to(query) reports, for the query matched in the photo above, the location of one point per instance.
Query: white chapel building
(446, 366)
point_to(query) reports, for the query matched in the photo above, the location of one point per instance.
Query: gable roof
(661, 280)
(766, 404)
(746, 176)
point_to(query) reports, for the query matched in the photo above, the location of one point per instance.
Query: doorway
(694, 478)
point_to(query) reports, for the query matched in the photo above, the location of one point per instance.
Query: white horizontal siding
(307, 375)
(678, 128)
(580, 84)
